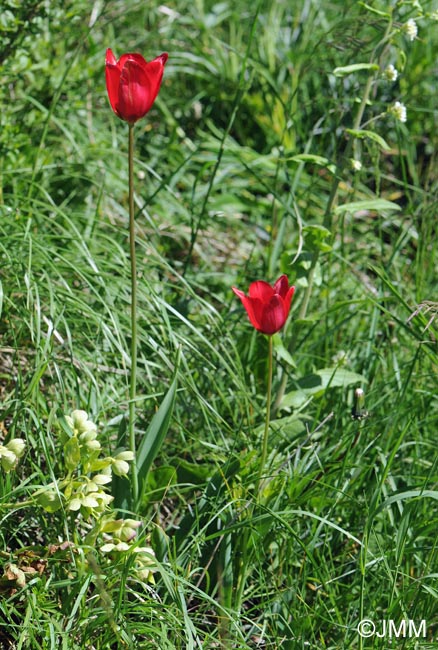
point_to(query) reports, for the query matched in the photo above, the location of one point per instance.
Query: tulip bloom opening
(133, 84)
(267, 307)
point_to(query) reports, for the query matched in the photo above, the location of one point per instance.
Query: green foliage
(271, 149)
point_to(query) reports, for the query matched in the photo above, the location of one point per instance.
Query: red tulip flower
(133, 84)
(267, 307)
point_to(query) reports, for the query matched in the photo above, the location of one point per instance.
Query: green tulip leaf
(154, 437)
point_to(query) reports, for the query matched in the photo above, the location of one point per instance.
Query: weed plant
(289, 137)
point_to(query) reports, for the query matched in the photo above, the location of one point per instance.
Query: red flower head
(267, 307)
(133, 84)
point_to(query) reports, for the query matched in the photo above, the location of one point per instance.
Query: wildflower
(145, 564)
(399, 111)
(133, 84)
(121, 529)
(340, 358)
(267, 307)
(10, 453)
(356, 165)
(80, 424)
(411, 29)
(111, 546)
(390, 73)
(359, 411)
(17, 446)
(119, 463)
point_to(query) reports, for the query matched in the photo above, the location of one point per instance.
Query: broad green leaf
(376, 205)
(318, 382)
(154, 437)
(330, 377)
(362, 134)
(354, 67)
(295, 399)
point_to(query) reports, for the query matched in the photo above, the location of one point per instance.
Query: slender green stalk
(245, 550)
(267, 421)
(133, 377)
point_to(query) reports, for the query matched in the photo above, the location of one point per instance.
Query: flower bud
(8, 459)
(17, 446)
(390, 73)
(411, 29)
(79, 423)
(120, 467)
(399, 111)
(359, 411)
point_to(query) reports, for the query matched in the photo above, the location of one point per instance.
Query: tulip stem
(267, 421)
(133, 376)
(245, 548)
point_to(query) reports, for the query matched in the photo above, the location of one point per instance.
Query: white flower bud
(390, 73)
(120, 467)
(411, 29)
(356, 165)
(399, 111)
(7, 458)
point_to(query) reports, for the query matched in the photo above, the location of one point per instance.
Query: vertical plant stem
(267, 421)
(245, 547)
(133, 376)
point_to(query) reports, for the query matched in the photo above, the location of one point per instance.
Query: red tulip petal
(267, 307)
(132, 83)
(134, 92)
(251, 306)
(112, 75)
(154, 70)
(288, 300)
(261, 290)
(274, 316)
(132, 56)
(281, 286)
(110, 59)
